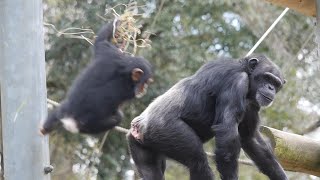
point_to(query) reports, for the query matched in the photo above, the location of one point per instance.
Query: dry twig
(73, 32)
(126, 28)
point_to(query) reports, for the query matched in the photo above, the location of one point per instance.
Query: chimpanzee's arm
(230, 106)
(227, 147)
(258, 150)
(106, 32)
(103, 46)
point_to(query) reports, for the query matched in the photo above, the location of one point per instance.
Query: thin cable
(268, 31)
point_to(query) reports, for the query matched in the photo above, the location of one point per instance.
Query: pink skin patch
(134, 130)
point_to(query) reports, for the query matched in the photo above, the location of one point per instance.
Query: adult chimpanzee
(111, 78)
(221, 99)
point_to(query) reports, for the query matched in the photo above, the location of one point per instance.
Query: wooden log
(306, 7)
(295, 152)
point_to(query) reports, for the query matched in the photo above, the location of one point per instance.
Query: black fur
(222, 100)
(93, 100)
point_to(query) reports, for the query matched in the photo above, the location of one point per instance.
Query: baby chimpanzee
(111, 78)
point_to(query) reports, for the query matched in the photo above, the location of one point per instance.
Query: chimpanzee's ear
(284, 81)
(252, 63)
(136, 74)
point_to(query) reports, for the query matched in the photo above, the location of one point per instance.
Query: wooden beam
(295, 153)
(306, 7)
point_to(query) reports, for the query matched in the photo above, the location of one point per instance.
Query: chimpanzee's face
(265, 81)
(141, 88)
(268, 85)
(141, 77)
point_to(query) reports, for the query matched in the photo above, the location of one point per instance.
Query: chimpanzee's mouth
(266, 97)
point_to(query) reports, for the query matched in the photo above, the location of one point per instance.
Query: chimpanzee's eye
(271, 79)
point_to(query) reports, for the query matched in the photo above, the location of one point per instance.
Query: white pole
(23, 90)
(267, 32)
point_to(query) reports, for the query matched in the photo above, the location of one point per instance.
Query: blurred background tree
(186, 35)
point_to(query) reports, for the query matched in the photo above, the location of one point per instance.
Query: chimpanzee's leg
(112, 121)
(51, 122)
(150, 165)
(178, 141)
(98, 126)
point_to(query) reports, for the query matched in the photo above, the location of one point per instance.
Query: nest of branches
(127, 29)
